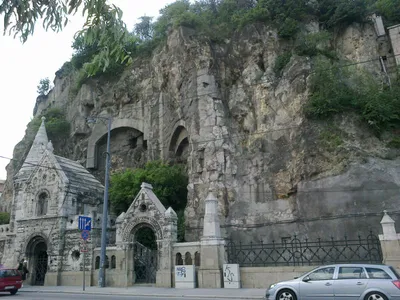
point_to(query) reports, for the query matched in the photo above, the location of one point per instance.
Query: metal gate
(40, 268)
(145, 262)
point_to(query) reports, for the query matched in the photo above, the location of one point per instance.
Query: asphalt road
(40, 296)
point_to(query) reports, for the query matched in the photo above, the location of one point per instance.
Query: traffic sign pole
(84, 267)
(84, 224)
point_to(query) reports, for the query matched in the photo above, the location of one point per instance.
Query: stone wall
(263, 277)
(186, 253)
(116, 275)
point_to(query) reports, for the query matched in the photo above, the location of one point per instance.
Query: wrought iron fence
(299, 253)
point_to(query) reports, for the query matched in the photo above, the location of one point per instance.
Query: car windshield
(312, 270)
(8, 273)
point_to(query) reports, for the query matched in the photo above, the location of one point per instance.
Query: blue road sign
(85, 235)
(85, 223)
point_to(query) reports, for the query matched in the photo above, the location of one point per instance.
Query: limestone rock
(241, 130)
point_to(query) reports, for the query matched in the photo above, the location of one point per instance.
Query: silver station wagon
(340, 282)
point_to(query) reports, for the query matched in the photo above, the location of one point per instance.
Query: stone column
(212, 251)
(170, 231)
(390, 242)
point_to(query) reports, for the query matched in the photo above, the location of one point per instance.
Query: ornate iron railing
(299, 253)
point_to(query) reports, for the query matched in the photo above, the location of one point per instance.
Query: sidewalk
(151, 291)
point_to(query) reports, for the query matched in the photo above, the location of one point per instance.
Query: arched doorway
(38, 260)
(145, 256)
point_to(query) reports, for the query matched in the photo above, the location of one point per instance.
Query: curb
(141, 294)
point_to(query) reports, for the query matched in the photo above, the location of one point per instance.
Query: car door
(350, 283)
(318, 285)
(379, 278)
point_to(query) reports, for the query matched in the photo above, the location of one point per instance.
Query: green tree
(332, 13)
(144, 29)
(390, 10)
(107, 32)
(170, 16)
(103, 27)
(169, 184)
(43, 87)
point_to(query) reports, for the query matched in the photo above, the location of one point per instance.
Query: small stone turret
(39, 146)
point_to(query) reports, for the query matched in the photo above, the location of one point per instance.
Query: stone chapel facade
(51, 192)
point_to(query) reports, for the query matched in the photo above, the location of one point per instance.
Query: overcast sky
(23, 65)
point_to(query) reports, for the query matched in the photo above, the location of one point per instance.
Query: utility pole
(102, 271)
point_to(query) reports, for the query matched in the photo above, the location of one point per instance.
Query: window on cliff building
(79, 207)
(188, 258)
(178, 259)
(42, 204)
(113, 262)
(106, 263)
(197, 259)
(97, 263)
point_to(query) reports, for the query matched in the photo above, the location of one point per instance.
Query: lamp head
(90, 120)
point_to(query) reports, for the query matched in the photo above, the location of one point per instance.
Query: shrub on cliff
(43, 87)
(4, 218)
(336, 89)
(169, 184)
(390, 10)
(57, 126)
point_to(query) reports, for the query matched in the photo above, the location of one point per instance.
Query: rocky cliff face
(242, 131)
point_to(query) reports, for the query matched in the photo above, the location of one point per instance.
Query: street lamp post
(101, 281)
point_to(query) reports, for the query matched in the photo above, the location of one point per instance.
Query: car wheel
(13, 292)
(286, 295)
(375, 296)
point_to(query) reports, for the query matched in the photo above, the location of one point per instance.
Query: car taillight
(397, 283)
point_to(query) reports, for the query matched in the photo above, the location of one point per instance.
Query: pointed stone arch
(43, 198)
(37, 254)
(179, 146)
(35, 236)
(100, 130)
(139, 222)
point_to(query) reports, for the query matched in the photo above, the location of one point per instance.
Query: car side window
(376, 273)
(322, 274)
(351, 273)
